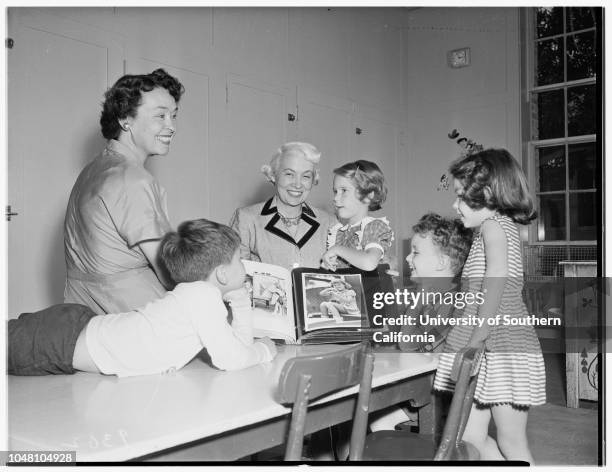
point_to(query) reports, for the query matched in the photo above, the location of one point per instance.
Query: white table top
(105, 418)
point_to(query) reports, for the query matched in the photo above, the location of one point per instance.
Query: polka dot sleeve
(377, 233)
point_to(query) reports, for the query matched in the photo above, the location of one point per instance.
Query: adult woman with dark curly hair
(117, 213)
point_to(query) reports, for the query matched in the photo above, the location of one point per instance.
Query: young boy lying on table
(203, 258)
(439, 249)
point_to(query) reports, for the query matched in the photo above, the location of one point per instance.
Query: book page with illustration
(271, 294)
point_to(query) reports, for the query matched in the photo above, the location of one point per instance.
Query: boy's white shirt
(167, 333)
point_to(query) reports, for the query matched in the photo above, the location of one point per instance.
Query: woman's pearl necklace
(290, 221)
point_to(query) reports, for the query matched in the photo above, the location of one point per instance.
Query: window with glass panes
(563, 147)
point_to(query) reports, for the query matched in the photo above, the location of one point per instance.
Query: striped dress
(512, 366)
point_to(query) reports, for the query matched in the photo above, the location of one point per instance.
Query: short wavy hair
(337, 280)
(369, 181)
(125, 96)
(304, 150)
(449, 235)
(196, 248)
(493, 179)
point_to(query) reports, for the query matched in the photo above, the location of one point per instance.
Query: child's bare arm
(496, 272)
(364, 260)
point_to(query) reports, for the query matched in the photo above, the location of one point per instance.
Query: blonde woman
(285, 230)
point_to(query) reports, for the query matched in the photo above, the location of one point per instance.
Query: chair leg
(360, 418)
(295, 442)
(440, 405)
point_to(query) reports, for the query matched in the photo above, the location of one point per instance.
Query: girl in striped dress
(492, 197)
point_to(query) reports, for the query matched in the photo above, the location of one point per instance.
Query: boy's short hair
(196, 248)
(449, 235)
(368, 179)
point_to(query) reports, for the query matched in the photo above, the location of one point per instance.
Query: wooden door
(377, 139)
(58, 71)
(256, 125)
(326, 122)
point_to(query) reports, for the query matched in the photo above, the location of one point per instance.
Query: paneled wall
(481, 101)
(382, 70)
(256, 64)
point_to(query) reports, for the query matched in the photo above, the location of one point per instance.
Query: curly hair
(369, 181)
(304, 150)
(125, 96)
(196, 248)
(449, 235)
(344, 283)
(493, 179)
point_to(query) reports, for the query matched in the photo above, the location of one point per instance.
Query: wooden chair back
(307, 378)
(464, 373)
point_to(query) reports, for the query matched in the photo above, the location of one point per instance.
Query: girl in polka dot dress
(360, 240)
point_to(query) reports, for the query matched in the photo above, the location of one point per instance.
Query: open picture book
(310, 306)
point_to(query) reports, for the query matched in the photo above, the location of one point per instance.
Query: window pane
(581, 110)
(580, 18)
(583, 217)
(551, 168)
(581, 166)
(550, 115)
(581, 56)
(551, 223)
(549, 21)
(550, 61)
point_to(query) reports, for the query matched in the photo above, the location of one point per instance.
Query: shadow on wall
(263, 192)
(91, 146)
(55, 263)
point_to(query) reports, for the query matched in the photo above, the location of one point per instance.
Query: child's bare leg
(323, 308)
(334, 309)
(512, 432)
(341, 308)
(477, 433)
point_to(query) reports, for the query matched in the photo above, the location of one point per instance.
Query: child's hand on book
(269, 344)
(330, 259)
